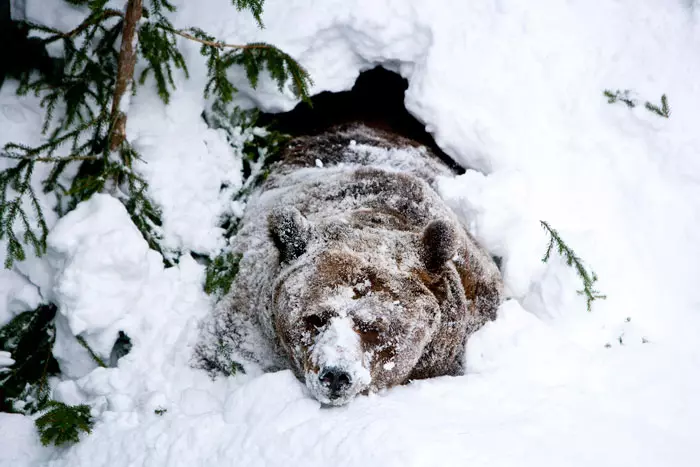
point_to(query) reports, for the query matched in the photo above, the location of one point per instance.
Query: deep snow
(513, 89)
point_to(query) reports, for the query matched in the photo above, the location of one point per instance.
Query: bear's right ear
(440, 244)
(290, 232)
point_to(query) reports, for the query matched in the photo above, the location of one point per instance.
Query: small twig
(52, 159)
(588, 279)
(218, 45)
(92, 353)
(89, 21)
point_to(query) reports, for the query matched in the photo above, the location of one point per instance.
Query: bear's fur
(354, 273)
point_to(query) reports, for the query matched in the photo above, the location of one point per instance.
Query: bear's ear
(290, 231)
(440, 243)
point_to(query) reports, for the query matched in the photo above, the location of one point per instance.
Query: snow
(511, 89)
(5, 360)
(20, 442)
(186, 164)
(101, 263)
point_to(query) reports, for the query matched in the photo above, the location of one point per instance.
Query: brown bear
(353, 271)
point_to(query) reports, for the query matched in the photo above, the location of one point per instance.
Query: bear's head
(352, 305)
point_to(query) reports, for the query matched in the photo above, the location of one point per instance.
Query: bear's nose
(335, 379)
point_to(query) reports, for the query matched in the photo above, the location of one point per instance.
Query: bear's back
(359, 145)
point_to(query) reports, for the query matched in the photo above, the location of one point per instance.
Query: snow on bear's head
(353, 308)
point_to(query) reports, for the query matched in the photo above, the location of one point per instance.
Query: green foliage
(160, 5)
(624, 96)
(96, 358)
(257, 146)
(255, 7)
(254, 58)
(160, 411)
(24, 387)
(145, 215)
(62, 423)
(221, 272)
(621, 96)
(588, 279)
(218, 360)
(15, 193)
(76, 125)
(158, 46)
(78, 121)
(663, 111)
(29, 338)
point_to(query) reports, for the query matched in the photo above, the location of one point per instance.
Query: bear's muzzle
(338, 371)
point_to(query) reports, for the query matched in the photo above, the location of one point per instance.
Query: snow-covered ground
(512, 89)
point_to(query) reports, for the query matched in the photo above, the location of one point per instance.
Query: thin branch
(52, 159)
(218, 45)
(92, 353)
(89, 21)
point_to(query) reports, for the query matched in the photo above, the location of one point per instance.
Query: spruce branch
(96, 358)
(255, 7)
(198, 35)
(159, 5)
(144, 213)
(663, 111)
(259, 148)
(52, 159)
(254, 57)
(91, 20)
(221, 272)
(85, 114)
(15, 192)
(29, 337)
(159, 48)
(588, 279)
(622, 96)
(62, 423)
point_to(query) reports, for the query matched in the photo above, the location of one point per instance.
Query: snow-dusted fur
(354, 273)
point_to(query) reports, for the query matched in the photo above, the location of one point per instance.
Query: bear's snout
(336, 380)
(337, 371)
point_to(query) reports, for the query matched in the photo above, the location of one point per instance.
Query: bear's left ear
(440, 243)
(290, 231)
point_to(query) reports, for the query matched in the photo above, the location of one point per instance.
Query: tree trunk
(125, 73)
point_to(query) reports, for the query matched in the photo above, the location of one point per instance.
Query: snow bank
(102, 266)
(187, 165)
(20, 441)
(509, 88)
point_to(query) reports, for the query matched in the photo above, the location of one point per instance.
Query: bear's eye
(369, 332)
(315, 321)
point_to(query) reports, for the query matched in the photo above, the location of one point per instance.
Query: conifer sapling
(85, 120)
